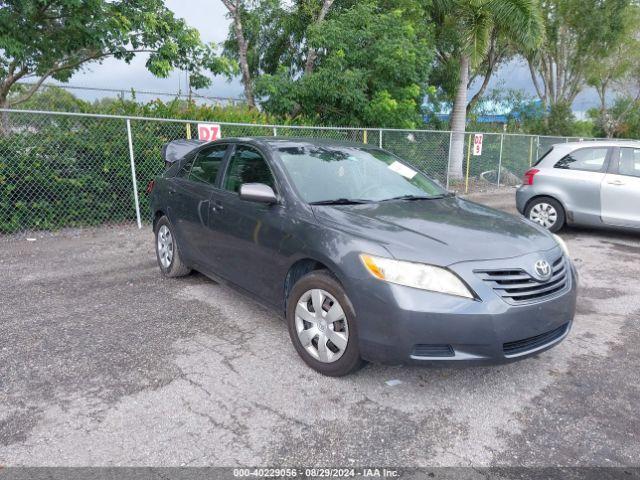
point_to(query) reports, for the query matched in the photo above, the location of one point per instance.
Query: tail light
(150, 186)
(528, 176)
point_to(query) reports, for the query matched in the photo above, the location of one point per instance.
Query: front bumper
(400, 325)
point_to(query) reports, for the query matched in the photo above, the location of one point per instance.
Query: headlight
(562, 244)
(416, 275)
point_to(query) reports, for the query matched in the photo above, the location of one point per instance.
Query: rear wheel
(167, 252)
(322, 325)
(547, 212)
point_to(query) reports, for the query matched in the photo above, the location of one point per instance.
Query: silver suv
(584, 183)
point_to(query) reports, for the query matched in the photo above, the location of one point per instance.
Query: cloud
(208, 16)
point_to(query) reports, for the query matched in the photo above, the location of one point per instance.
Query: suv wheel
(322, 325)
(547, 212)
(167, 252)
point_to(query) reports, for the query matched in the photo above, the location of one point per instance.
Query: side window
(586, 159)
(186, 167)
(207, 164)
(629, 162)
(247, 166)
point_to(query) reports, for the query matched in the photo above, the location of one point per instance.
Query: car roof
(277, 142)
(598, 143)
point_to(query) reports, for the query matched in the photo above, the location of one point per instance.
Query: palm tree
(470, 25)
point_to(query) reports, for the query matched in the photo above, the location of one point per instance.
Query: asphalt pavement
(103, 362)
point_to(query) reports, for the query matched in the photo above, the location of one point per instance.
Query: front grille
(517, 286)
(432, 351)
(531, 343)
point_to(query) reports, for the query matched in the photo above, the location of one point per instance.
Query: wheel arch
(158, 214)
(546, 195)
(298, 270)
(568, 214)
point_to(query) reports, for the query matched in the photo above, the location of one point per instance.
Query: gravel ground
(104, 362)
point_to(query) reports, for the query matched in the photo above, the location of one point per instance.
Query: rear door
(578, 175)
(190, 194)
(620, 192)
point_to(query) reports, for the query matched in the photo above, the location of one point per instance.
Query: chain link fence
(60, 170)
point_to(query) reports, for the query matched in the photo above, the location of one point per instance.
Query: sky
(209, 17)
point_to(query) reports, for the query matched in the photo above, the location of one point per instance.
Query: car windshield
(353, 174)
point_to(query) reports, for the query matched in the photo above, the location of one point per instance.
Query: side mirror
(257, 192)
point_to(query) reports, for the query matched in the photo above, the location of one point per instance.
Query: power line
(122, 91)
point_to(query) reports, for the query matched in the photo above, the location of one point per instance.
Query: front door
(579, 175)
(252, 233)
(620, 191)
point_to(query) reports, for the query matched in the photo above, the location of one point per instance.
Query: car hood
(439, 231)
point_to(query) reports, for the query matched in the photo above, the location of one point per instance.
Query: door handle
(216, 206)
(616, 182)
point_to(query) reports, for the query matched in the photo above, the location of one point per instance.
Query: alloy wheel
(165, 246)
(321, 325)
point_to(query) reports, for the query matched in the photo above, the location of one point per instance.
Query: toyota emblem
(542, 270)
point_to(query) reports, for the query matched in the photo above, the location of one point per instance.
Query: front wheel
(547, 212)
(322, 325)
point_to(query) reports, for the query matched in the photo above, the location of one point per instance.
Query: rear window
(585, 159)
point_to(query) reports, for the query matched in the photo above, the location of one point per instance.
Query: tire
(331, 360)
(170, 264)
(546, 212)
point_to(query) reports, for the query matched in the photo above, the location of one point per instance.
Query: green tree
(579, 34)
(266, 34)
(53, 39)
(617, 74)
(363, 63)
(469, 32)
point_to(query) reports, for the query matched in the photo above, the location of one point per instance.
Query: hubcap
(165, 246)
(544, 214)
(321, 325)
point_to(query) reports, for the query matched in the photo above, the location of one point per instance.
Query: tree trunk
(4, 117)
(312, 54)
(458, 122)
(244, 64)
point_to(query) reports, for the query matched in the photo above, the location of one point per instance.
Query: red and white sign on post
(477, 144)
(209, 132)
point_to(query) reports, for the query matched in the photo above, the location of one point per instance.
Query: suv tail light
(528, 176)
(150, 186)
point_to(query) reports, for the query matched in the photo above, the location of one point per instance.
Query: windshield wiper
(418, 197)
(340, 201)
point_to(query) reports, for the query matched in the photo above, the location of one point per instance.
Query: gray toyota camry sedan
(367, 258)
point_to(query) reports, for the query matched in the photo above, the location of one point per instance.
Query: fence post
(275, 132)
(449, 157)
(380, 138)
(133, 174)
(364, 136)
(466, 182)
(500, 158)
(188, 131)
(530, 150)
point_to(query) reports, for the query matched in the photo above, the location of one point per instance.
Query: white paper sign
(209, 132)
(477, 144)
(402, 170)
